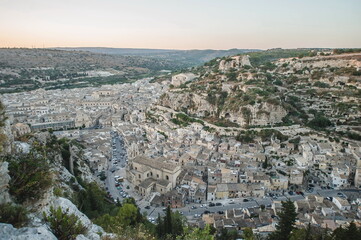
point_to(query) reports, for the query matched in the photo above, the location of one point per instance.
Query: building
(20, 129)
(341, 203)
(152, 175)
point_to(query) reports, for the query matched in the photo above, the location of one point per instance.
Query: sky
(181, 24)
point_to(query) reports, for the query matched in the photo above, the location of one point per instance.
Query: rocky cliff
(235, 62)
(62, 181)
(191, 103)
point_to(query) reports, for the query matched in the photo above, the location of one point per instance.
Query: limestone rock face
(321, 62)
(194, 104)
(9, 138)
(191, 103)
(4, 183)
(181, 78)
(234, 62)
(258, 114)
(8, 232)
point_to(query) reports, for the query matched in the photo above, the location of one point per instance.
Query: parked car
(245, 200)
(194, 207)
(341, 195)
(206, 212)
(211, 204)
(218, 204)
(220, 212)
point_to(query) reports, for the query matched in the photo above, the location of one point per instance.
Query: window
(157, 175)
(166, 177)
(139, 175)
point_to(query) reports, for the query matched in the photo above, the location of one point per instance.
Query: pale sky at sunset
(180, 24)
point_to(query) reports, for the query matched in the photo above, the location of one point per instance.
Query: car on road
(194, 207)
(231, 201)
(291, 193)
(197, 215)
(206, 212)
(211, 204)
(220, 212)
(341, 195)
(329, 198)
(245, 200)
(218, 204)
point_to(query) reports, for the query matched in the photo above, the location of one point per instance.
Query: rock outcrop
(235, 62)
(259, 114)
(190, 103)
(66, 205)
(181, 78)
(4, 183)
(8, 232)
(196, 105)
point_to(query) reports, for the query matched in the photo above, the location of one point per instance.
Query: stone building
(152, 175)
(20, 129)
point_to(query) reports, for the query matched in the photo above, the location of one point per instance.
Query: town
(141, 146)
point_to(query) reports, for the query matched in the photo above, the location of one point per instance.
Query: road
(116, 166)
(238, 203)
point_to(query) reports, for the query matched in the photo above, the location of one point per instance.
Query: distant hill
(183, 58)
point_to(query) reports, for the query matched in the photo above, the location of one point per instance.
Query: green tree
(350, 232)
(168, 221)
(248, 234)
(63, 225)
(319, 122)
(286, 223)
(198, 234)
(226, 234)
(171, 225)
(127, 215)
(160, 227)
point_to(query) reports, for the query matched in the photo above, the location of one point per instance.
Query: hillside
(180, 58)
(274, 87)
(29, 69)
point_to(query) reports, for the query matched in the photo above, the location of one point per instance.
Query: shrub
(321, 84)
(63, 225)
(30, 176)
(13, 214)
(320, 122)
